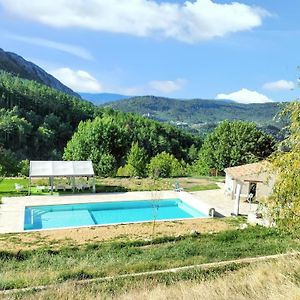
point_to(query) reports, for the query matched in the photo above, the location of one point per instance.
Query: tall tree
(136, 161)
(231, 144)
(284, 204)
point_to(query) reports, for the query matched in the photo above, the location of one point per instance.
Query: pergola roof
(60, 168)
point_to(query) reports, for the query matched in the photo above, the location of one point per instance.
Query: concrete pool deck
(223, 205)
(12, 209)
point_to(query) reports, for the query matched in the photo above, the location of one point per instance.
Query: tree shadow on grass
(110, 189)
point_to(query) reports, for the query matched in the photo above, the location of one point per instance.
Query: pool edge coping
(16, 206)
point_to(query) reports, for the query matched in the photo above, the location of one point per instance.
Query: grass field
(106, 185)
(273, 280)
(60, 258)
(23, 268)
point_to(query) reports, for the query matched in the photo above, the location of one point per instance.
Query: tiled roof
(248, 171)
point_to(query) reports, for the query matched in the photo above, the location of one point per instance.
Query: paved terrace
(223, 205)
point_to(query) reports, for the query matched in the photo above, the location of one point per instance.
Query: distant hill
(17, 65)
(102, 98)
(199, 114)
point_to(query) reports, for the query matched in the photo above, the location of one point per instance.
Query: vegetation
(285, 201)
(17, 65)
(43, 266)
(202, 116)
(106, 185)
(107, 140)
(196, 188)
(36, 122)
(272, 280)
(166, 165)
(136, 161)
(232, 144)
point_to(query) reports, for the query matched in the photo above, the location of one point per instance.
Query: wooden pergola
(52, 169)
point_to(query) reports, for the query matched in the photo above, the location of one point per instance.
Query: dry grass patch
(78, 236)
(146, 184)
(273, 280)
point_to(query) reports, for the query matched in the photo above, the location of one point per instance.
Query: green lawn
(7, 187)
(210, 186)
(45, 265)
(107, 185)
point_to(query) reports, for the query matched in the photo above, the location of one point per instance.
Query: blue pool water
(73, 215)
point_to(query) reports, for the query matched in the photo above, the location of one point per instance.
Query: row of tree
(162, 151)
(107, 141)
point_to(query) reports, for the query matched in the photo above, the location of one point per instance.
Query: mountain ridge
(17, 65)
(201, 114)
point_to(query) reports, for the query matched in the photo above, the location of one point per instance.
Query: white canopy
(60, 168)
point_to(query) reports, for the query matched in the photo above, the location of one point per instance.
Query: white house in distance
(250, 180)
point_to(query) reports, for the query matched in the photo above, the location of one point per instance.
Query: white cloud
(245, 96)
(79, 81)
(71, 49)
(279, 85)
(191, 21)
(168, 86)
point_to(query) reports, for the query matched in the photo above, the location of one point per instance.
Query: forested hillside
(203, 115)
(17, 65)
(36, 122)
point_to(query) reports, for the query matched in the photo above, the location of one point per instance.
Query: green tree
(8, 163)
(284, 204)
(24, 167)
(231, 144)
(165, 165)
(106, 165)
(193, 153)
(102, 141)
(136, 161)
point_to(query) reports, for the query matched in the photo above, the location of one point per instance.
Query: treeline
(107, 141)
(132, 146)
(36, 122)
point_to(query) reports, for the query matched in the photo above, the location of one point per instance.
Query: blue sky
(247, 51)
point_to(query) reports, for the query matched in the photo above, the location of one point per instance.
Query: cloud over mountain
(78, 80)
(245, 96)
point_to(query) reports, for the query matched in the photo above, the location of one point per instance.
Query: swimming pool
(106, 213)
